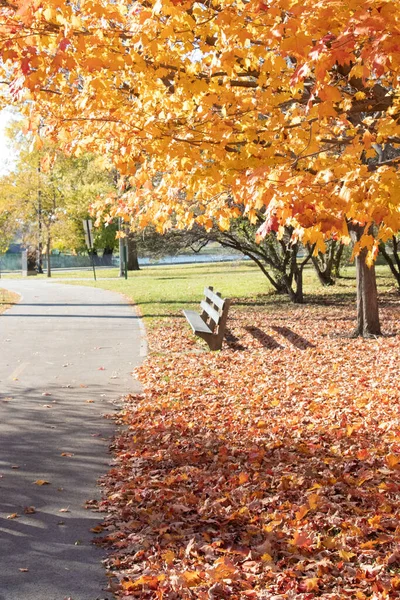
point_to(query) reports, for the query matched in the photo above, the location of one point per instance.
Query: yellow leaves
(222, 569)
(50, 14)
(360, 96)
(41, 482)
(302, 512)
(168, 557)
(345, 555)
(313, 501)
(266, 558)
(297, 45)
(192, 578)
(130, 85)
(311, 584)
(149, 581)
(392, 460)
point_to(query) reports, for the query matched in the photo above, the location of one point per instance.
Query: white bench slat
(215, 299)
(196, 322)
(212, 313)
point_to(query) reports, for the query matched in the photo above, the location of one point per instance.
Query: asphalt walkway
(66, 357)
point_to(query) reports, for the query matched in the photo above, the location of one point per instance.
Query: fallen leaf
(29, 510)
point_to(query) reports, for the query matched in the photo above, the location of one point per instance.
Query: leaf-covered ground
(7, 299)
(268, 470)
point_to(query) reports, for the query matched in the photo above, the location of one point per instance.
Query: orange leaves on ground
(268, 469)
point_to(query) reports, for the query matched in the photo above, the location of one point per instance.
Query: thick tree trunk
(367, 294)
(133, 262)
(367, 299)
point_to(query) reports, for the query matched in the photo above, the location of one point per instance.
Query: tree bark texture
(367, 299)
(133, 262)
(368, 324)
(48, 255)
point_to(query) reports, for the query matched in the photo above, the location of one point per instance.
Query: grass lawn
(162, 290)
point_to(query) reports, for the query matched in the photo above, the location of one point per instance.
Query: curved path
(66, 357)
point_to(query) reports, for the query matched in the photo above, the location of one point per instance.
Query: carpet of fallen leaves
(269, 470)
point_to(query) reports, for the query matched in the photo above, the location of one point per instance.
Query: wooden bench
(210, 324)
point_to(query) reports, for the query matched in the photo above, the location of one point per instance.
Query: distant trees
(46, 196)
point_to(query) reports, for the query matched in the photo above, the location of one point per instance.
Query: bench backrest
(213, 307)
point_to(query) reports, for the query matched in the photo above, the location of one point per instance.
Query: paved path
(66, 356)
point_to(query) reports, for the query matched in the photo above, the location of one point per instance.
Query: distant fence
(13, 261)
(10, 262)
(69, 261)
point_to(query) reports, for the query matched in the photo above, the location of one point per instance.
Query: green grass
(166, 289)
(162, 290)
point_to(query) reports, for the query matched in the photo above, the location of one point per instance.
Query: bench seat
(196, 322)
(210, 324)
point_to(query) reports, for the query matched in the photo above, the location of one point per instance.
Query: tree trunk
(107, 255)
(48, 256)
(324, 275)
(367, 299)
(295, 291)
(394, 266)
(133, 262)
(298, 277)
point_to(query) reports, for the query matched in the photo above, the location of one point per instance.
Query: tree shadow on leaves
(295, 339)
(265, 340)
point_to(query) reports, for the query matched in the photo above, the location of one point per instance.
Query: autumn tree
(47, 195)
(292, 106)
(7, 226)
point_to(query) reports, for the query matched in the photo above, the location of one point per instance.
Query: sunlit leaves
(200, 97)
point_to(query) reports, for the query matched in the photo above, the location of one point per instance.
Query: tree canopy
(286, 105)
